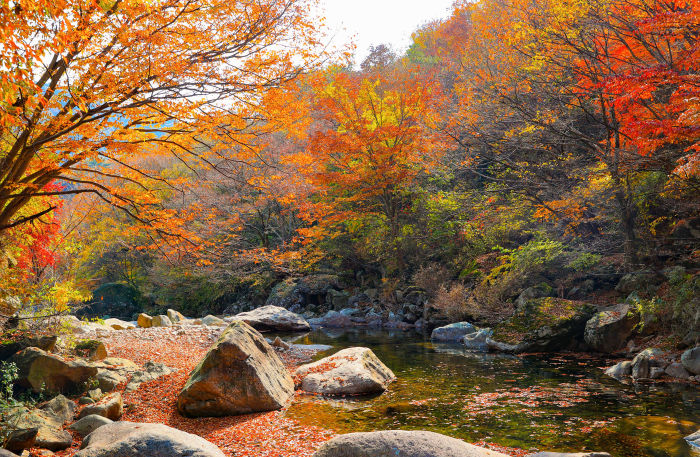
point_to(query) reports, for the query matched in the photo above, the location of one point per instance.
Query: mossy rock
(545, 324)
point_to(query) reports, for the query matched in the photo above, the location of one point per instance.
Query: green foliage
(8, 375)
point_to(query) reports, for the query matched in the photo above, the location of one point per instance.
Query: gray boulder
(240, 374)
(477, 341)
(332, 319)
(677, 370)
(131, 439)
(351, 371)
(691, 360)
(646, 360)
(609, 330)
(88, 424)
(274, 318)
(40, 370)
(452, 333)
(400, 443)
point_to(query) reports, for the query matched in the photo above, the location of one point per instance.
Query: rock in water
(400, 443)
(620, 370)
(240, 374)
(452, 333)
(691, 360)
(131, 439)
(609, 330)
(43, 371)
(543, 324)
(352, 371)
(477, 341)
(274, 318)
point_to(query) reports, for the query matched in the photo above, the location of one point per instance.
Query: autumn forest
(183, 177)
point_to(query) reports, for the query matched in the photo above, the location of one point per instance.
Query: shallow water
(546, 402)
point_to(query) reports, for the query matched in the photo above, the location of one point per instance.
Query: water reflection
(548, 402)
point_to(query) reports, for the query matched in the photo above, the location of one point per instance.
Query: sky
(373, 22)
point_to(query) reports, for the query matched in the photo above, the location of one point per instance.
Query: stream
(553, 402)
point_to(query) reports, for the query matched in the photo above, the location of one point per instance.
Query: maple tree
(91, 90)
(371, 140)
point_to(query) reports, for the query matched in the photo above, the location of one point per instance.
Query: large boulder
(42, 371)
(351, 371)
(274, 318)
(691, 360)
(677, 370)
(240, 374)
(452, 333)
(544, 324)
(400, 443)
(111, 407)
(609, 329)
(131, 439)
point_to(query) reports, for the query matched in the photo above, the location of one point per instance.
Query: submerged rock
(131, 439)
(477, 341)
(453, 332)
(402, 443)
(352, 371)
(609, 330)
(240, 374)
(274, 318)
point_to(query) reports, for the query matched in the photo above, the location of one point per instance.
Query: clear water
(548, 402)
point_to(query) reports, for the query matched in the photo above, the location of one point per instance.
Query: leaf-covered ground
(262, 435)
